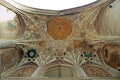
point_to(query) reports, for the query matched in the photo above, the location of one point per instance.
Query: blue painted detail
(31, 53)
(87, 55)
(9, 24)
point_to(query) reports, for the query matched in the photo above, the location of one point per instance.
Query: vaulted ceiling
(76, 42)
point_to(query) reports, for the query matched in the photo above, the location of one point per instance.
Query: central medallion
(59, 28)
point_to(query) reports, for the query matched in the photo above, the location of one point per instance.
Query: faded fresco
(80, 42)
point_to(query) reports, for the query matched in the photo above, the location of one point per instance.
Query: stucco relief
(73, 39)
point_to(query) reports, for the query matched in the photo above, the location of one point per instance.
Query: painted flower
(31, 53)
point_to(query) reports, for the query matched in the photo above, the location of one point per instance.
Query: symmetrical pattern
(71, 43)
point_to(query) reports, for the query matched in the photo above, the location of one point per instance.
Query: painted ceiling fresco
(79, 42)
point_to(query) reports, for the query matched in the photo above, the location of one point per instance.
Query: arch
(57, 4)
(60, 68)
(24, 71)
(95, 70)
